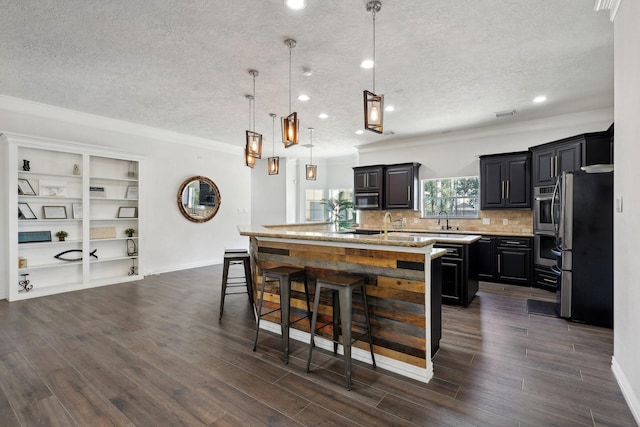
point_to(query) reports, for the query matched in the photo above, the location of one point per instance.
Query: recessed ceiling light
(303, 97)
(389, 108)
(307, 72)
(366, 64)
(323, 115)
(359, 132)
(296, 4)
(539, 99)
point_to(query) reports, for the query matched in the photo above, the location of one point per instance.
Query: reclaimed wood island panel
(397, 269)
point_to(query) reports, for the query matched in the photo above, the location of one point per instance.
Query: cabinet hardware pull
(511, 242)
(507, 189)
(409, 193)
(549, 280)
(551, 167)
(499, 265)
(502, 185)
(556, 168)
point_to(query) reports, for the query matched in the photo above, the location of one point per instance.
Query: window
(458, 197)
(314, 206)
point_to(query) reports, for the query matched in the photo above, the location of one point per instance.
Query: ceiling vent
(506, 113)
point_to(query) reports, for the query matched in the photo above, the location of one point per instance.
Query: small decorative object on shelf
(132, 173)
(25, 283)
(129, 232)
(61, 235)
(132, 248)
(133, 271)
(25, 165)
(22, 262)
(61, 258)
(76, 169)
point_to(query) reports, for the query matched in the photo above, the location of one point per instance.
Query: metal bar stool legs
(341, 286)
(235, 257)
(284, 275)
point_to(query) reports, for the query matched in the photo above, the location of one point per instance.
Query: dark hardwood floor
(152, 353)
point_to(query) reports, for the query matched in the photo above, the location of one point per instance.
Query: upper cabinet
(401, 186)
(386, 186)
(367, 178)
(505, 181)
(552, 159)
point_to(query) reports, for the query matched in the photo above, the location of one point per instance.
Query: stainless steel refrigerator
(585, 239)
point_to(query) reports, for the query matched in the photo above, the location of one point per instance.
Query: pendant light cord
(375, 65)
(273, 135)
(253, 128)
(290, 48)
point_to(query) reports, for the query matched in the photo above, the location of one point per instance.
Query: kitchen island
(398, 273)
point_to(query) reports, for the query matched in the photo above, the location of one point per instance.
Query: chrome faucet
(385, 221)
(447, 218)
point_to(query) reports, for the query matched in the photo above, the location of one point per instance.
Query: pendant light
(373, 104)
(311, 170)
(254, 140)
(273, 163)
(248, 159)
(290, 124)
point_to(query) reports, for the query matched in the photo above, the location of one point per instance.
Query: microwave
(367, 200)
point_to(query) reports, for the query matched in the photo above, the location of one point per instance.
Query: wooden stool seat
(341, 286)
(284, 275)
(233, 257)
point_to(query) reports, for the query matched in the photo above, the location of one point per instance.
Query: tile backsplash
(508, 222)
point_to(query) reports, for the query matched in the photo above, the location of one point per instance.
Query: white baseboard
(627, 391)
(410, 371)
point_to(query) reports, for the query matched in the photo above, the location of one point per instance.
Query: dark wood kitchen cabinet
(505, 181)
(486, 258)
(459, 280)
(569, 154)
(401, 186)
(367, 178)
(505, 259)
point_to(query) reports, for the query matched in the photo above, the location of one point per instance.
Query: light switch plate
(486, 221)
(505, 221)
(619, 204)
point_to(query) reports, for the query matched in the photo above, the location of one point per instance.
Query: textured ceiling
(182, 65)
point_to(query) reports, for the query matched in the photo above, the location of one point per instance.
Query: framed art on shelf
(132, 192)
(76, 209)
(25, 188)
(54, 212)
(127, 212)
(25, 212)
(51, 188)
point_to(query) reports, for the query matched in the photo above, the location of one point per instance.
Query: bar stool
(284, 275)
(341, 286)
(235, 257)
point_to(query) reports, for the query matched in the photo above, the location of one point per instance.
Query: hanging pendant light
(290, 124)
(373, 104)
(248, 159)
(254, 139)
(273, 163)
(311, 170)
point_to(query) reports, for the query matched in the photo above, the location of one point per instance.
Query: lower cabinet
(505, 259)
(459, 284)
(436, 304)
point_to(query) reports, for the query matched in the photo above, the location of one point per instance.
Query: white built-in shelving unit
(92, 194)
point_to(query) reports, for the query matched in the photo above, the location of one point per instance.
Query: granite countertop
(474, 232)
(403, 239)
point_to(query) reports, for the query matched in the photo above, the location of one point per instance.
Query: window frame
(447, 200)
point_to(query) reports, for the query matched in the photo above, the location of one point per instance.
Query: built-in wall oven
(544, 209)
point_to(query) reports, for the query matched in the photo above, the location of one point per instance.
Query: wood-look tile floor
(152, 353)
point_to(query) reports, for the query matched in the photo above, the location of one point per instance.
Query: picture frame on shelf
(127, 212)
(97, 192)
(25, 188)
(76, 210)
(53, 188)
(34, 236)
(54, 212)
(25, 212)
(132, 192)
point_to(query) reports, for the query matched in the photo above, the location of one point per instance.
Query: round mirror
(198, 199)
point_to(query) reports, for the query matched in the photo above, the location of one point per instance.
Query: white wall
(170, 242)
(4, 221)
(456, 153)
(626, 349)
(268, 194)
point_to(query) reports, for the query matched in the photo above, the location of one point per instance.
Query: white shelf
(98, 168)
